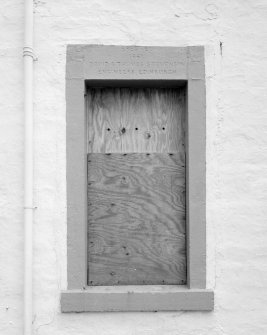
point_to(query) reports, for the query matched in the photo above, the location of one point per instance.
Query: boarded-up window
(136, 186)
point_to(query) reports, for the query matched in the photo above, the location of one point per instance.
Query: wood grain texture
(136, 219)
(136, 120)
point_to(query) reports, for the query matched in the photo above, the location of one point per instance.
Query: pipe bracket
(28, 51)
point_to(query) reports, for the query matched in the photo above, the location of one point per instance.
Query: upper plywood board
(136, 120)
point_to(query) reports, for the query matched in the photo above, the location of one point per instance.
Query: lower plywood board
(136, 219)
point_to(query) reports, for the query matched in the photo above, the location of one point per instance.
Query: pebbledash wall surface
(234, 36)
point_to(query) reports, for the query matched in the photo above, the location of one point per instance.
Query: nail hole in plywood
(147, 135)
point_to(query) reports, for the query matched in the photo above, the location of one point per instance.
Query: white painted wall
(236, 157)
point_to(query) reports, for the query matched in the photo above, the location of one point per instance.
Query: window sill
(137, 298)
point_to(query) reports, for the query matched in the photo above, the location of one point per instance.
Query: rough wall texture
(234, 35)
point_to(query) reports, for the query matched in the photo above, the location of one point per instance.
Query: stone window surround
(170, 67)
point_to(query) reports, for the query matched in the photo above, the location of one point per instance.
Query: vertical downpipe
(28, 58)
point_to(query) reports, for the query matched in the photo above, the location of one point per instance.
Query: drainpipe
(28, 58)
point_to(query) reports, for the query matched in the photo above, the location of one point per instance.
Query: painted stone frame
(135, 66)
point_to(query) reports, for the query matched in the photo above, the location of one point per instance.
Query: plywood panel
(136, 219)
(136, 120)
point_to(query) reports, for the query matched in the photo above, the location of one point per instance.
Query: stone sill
(137, 298)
